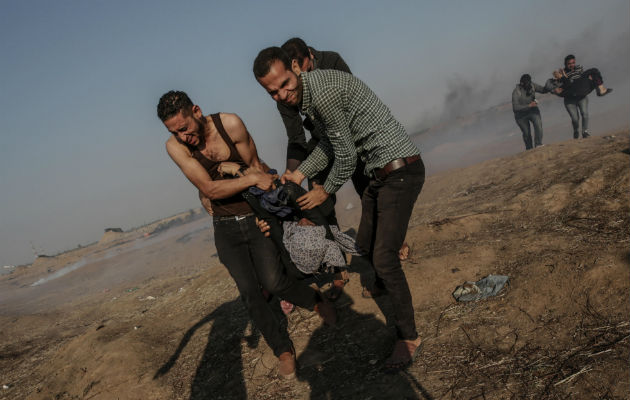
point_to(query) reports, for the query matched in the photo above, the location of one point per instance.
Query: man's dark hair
(171, 103)
(526, 79)
(567, 58)
(266, 57)
(296, 49)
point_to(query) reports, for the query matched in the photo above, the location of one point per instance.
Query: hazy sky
(82, 148)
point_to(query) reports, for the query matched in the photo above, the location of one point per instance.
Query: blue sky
(82, 149)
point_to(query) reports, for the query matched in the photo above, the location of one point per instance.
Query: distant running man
(577, 106)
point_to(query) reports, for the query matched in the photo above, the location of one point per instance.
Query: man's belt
(381, 173)
(231, 217)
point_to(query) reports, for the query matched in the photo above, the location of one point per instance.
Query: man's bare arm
(242, 140)
(205, 202)
(199, 177)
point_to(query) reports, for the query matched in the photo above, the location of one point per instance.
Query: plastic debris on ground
(486, 287)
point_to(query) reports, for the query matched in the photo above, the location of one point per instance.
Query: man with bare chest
(199, 145)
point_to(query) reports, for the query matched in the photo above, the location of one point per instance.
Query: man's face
(283, 85)
(571, 64)
(187, 126)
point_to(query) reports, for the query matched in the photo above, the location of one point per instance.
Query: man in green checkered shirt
(354, 123)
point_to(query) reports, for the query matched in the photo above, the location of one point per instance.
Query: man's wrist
(329, 188)
(321, 187)
(299, 174)
(250, 179)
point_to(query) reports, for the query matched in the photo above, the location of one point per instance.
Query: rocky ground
(160, 318)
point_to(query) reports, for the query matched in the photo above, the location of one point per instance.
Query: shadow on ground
(219, 374)
(345, 362)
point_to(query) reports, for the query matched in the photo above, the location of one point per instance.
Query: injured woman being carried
(309, 241)
(590, 80)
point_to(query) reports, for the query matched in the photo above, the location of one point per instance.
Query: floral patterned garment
(312, 252)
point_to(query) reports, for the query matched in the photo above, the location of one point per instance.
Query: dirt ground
(160, 318)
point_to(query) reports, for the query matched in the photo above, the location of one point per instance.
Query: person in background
(590, 80)
(525, 107)
(577, 106)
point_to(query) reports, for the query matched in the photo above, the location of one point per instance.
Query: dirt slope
(555, 219)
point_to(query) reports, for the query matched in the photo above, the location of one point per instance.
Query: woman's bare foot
(603, 91)
(287, 308)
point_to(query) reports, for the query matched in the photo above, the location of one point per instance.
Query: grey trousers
(523, 120)
(578, 107)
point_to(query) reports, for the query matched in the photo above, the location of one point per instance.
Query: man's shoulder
(328, 56)
(328, 87)
(327, 59)
(177, 149)
(322, 80)
(230, 120)
(172, 142)
(233, 126)
(327, 75)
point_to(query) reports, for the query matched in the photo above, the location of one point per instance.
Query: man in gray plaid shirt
(354, 123)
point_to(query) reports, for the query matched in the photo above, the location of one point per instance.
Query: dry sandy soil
(159, 318)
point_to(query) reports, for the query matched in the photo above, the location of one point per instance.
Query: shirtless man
(198, 145)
